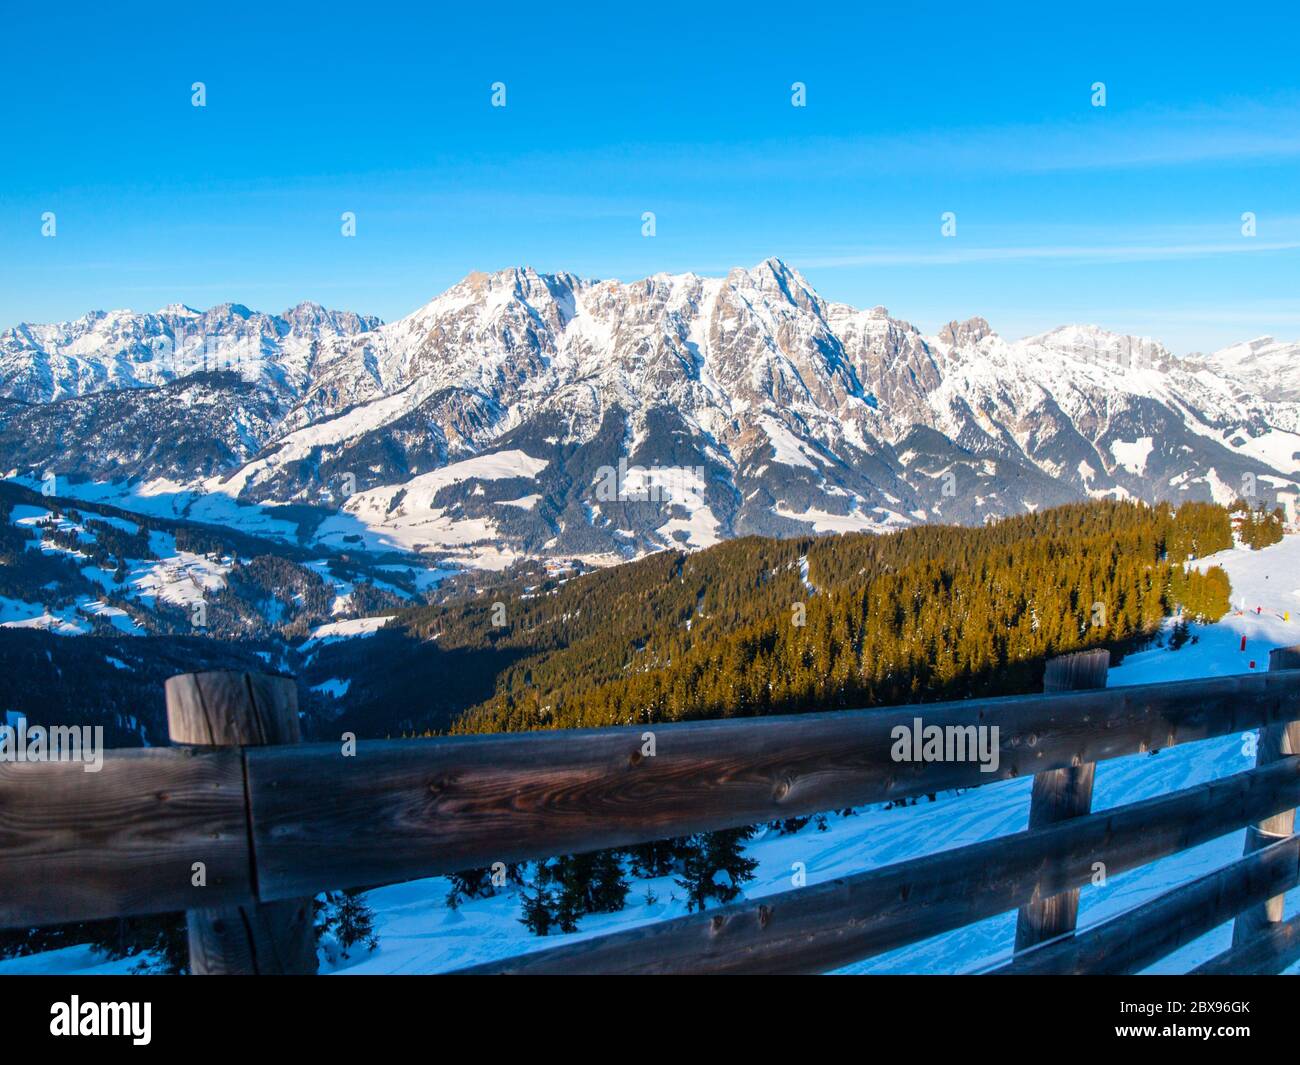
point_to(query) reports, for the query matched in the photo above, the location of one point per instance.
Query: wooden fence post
(1058, 795)
(228, 709)
(1275, 741)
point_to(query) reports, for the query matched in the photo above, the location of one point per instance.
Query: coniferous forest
(760, 626)
(1258, 527)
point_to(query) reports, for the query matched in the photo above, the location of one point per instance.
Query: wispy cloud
(1111, 138)
(1077, 253)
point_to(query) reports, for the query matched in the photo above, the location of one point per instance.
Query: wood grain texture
(827, 925)
(1275, 741)
(1131, 941)
(1060, 794)
(1273, 950)
(77, 845)
(269, 938)
(228, 709)
(403, 809)
(224, 709)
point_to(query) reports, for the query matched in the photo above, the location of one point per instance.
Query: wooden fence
(240, 824)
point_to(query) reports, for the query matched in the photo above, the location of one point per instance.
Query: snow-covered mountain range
(522, 413)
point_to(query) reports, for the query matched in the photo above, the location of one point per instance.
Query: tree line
(761, 626)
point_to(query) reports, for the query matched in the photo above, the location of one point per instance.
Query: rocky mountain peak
(967, 333)
(179, 310)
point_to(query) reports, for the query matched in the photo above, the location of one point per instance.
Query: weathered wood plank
(403, 809)
(1273, 950)
(1060, 794)
(227, 709)
(1275, 741)
(827, 925)
(76, 846)
(269, 938)
(1131, 941)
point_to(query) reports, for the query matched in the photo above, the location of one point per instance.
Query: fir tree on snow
(1259, 528)
(347, 918)
(355, 923)
(540, 916)
(572, 886)
(717, 868)
(1178, 635)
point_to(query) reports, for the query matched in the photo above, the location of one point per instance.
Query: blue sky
(1128, 216)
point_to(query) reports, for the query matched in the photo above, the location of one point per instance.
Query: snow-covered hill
(482, 427)
(84, 571)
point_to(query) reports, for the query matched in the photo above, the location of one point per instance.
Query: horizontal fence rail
(403, 809)
(76, 846)
(1134, 939)
(271, 823)
(826, 925)
(1274, 950)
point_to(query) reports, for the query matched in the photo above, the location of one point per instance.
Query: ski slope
(419, 933)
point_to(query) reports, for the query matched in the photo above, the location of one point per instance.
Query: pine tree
(355, 922)
(716, 868)
(348, 917)
(478, 883)
(540, 912)
(572, 886)
(467, 884)
(587, 883)
(1178, 635)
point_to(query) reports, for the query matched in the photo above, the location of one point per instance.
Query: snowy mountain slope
(191, 428)
(1263, 366)
(81, 570)
(767, 409)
